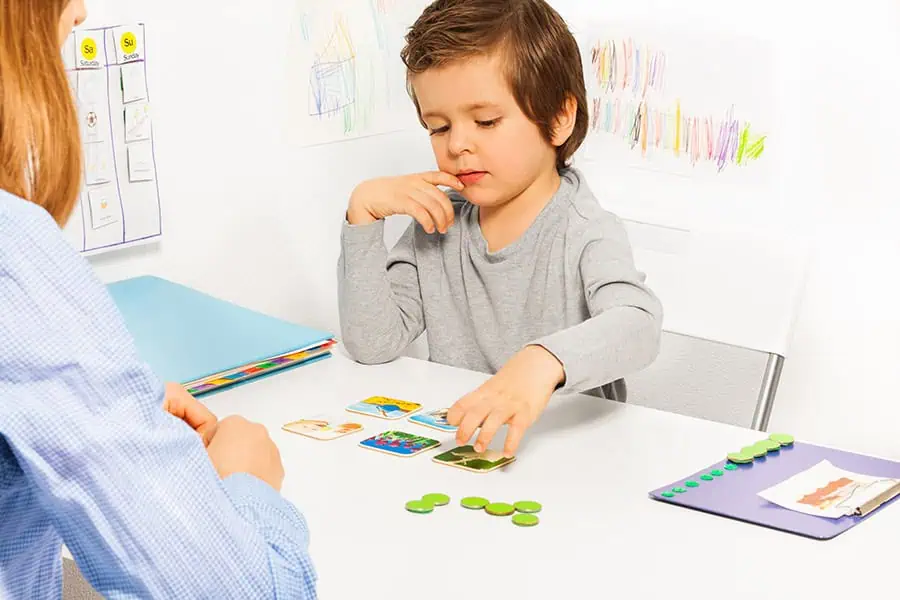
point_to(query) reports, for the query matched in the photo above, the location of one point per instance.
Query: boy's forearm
(379, 314)
(610, 346)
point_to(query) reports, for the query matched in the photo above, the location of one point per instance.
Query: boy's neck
(502, 225)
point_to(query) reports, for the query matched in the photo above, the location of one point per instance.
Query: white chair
(730, 301)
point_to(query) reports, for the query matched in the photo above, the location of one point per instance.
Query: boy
(516, 271)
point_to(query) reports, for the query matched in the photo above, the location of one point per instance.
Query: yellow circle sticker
(88, 49)
(129, 43)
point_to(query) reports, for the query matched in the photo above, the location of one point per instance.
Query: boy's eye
(439, 130)
(489, 123)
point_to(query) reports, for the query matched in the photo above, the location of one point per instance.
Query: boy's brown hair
(543, 62)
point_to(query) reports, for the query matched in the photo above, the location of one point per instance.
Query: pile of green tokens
(771, 445)
(427, 503)
(523, 512)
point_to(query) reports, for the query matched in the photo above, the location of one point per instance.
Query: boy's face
(479, 133)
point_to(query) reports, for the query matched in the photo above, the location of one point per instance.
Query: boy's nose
(460, 143)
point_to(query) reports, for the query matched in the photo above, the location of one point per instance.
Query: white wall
(251, 216)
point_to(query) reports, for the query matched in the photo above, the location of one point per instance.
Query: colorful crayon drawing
(352, 81)
(630, 100)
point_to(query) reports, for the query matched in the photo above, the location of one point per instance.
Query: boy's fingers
(443, 201)
(420, 214)
(513, 436)
(472, 421)
(434, 208)
(442, 178)
(490, 426)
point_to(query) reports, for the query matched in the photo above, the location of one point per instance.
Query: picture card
(92, 88)
(322, 428)
(134, 83)
(137, 122)
(465, 457)
(825, 490)
(104, 206)
(384, 408)
(436, 419)
(400, 443)
(98, 163)
(140, 162)
(94, 125)
(129, 41)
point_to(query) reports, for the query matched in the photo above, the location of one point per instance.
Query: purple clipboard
(733, 493)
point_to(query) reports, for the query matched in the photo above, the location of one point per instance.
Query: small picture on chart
(104, 207)
(98, 163)
(134, 85)
(137, 122)
(384, 408)
(140, 162)
(94, 125)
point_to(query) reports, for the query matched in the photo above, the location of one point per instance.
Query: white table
(590, 462)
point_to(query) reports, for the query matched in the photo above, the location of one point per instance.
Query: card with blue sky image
(435, 419)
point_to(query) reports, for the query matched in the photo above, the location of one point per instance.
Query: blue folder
(186, 335)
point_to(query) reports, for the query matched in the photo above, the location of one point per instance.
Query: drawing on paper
(353, 78)
(827, 491)
(634, 99)
(332, 78)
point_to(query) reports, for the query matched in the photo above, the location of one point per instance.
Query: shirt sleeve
(622, 336)
(129, 488)
(379, 298)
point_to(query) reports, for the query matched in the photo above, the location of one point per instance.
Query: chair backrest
(731, 300)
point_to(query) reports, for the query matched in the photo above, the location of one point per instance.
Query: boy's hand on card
(415, 195)
(180, 403)
(515, 396)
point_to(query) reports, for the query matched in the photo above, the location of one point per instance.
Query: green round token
(419, 506)
(500, 509)
(782, 439)
(706, 477)
(716, 473)
(730, 467)
(474, 502)
(436, 499)
(679, 490)
(740, 457)
(691, 484)
(528, 506)
(668, 495)
(754, 451)
(525, 520)
(769, 445)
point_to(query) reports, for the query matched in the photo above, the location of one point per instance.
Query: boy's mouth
(470, 177)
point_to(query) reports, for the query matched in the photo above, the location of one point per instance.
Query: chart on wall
(119, 203)
(681, 121)
(351, 80)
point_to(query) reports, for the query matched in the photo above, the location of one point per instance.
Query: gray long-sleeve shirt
(568, 284)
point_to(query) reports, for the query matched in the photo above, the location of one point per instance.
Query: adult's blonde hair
(40, 146)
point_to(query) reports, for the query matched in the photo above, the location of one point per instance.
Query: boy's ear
(565, 122)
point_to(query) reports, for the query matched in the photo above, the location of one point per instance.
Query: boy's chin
(484, 198)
